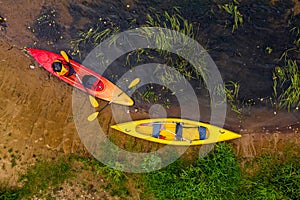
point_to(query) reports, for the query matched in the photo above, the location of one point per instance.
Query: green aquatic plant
(269, 50)
(149, 95)
(154, 94)
(232, 9)
(296, 31)
(168, 21)
(286, 85)
(230, 93)
(286, 76)
(172, 20)
(293, 23)
(93, 36)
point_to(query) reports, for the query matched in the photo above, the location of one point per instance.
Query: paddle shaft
(95, 114)
(77, 76)
(190, 141)
(112, 100)
(132, 84)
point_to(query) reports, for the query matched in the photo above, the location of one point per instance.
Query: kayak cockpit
(93, 83)
(173, 131)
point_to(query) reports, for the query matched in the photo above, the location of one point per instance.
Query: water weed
(232, 9)
(229, 93)
(293, 23)
(171, 20)
(93, 36)
(286, 76)
(286, 85)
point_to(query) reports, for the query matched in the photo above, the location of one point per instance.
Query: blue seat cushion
(178, 131)
(202, 132)
(155, 130)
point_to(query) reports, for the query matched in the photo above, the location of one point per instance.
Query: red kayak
(92, 83)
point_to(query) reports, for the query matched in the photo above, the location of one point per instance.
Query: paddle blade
(65, 56)
(93, 101)
(93, 116)
(134, 83)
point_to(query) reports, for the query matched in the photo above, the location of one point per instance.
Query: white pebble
(31, 66)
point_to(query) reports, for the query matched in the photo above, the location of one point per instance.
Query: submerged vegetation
(232, 9)
(94, 36)
(153, 93)
(229, 23)
(286, 78)
(230, 92)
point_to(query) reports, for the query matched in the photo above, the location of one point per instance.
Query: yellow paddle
(93, 101)
(66, 57)
(131, 85)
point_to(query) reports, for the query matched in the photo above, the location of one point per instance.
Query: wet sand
(35, 110)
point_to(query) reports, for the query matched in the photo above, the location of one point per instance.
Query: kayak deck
(192, 132)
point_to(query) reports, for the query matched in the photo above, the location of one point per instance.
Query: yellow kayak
(176, 131)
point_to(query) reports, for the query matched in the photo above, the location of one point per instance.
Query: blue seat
(155, 130)
(178, 131)
(202, 132)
